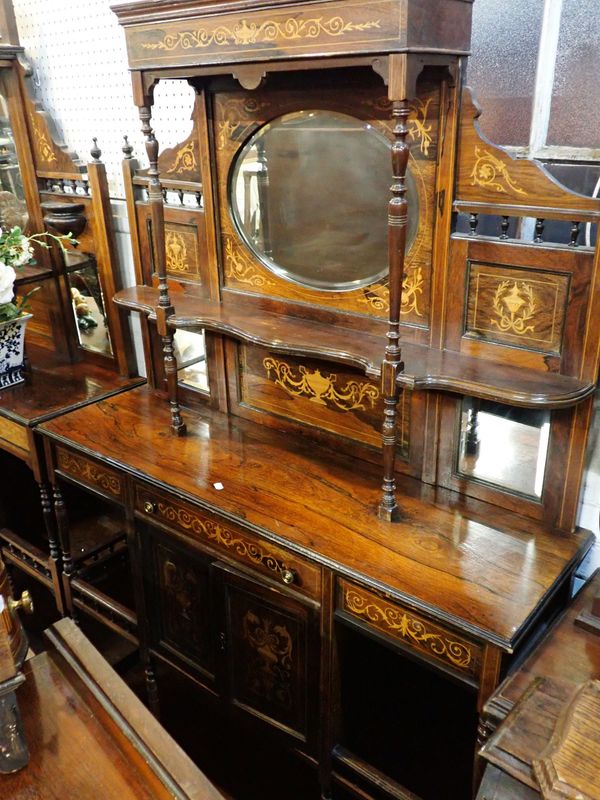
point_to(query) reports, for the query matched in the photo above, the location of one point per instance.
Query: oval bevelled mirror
(308, 193)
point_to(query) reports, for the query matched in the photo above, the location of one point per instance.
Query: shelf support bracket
(165, 308)
(392, 366)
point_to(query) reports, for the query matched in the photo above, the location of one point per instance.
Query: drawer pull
(288, 576)
(25, 603)
(149, 508)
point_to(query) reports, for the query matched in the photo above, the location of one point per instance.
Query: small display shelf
(424, 368)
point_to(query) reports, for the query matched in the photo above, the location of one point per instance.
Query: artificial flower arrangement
(15, 251)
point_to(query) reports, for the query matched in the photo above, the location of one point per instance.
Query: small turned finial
(127, 148)
(95, 152)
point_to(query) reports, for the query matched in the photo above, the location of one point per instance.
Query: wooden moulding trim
(171, 765)
(370, 774)
(512, 210)
(66, 176)
(135, 12)
(166, 183)
(425, 368)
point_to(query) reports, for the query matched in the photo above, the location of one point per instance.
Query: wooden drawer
(13, 437)
(413, 630)
(233, 542)
(88, 472)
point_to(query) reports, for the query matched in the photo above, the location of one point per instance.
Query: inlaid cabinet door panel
(178, 592)
(270, 648)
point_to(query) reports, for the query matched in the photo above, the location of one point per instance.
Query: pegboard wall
(77, 51)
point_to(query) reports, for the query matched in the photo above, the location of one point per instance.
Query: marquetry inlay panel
(322, 27)
(412, 629)
(518, 307)
(85, 471)
(183, 613)
(14, 434)
(264, 556)
(181, 246)
(319, 394)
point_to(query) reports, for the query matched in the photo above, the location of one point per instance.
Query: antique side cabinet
(350, 486)
(77, 344)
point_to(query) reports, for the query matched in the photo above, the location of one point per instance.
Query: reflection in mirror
(190, 352)
(13, 208)
(309, 194)
(504, 446)
(88, 304)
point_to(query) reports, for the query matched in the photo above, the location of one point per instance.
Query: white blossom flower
(25, 254)
(7, 280)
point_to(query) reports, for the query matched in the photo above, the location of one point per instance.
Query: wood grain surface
(444, 555)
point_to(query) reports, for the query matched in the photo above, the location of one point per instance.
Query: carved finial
(95, 152)
(127, 148)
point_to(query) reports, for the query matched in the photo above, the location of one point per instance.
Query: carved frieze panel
(519, 307)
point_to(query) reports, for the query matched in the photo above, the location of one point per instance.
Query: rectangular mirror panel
(190, 352)
(504, 446)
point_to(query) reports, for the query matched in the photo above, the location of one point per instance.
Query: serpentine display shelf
(424, 367)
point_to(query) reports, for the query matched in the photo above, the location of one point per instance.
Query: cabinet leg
(55, 561)
(65, 545)
(484, 731)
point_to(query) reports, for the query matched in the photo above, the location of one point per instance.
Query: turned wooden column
(164, 309)
(397, 226)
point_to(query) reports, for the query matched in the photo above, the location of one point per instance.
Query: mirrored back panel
(503, 446)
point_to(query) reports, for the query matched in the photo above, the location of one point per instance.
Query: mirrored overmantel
(307, 194)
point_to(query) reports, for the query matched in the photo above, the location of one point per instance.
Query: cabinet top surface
(444, 557)
(568, 654)
(53, 388)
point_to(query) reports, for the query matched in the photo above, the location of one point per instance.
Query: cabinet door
(270, 650)
(178, 598)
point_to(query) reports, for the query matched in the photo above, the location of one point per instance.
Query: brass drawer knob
(288, 576)
(149, 507)
(25, 603)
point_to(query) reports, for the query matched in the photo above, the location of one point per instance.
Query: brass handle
(149, 507)
(25, 603)
(288, 576)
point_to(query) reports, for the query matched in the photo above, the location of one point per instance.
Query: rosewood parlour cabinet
(350, 486)
(77, 344)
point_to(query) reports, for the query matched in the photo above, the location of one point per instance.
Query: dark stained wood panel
(443, 555)
(416, 632)
(229, 541)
